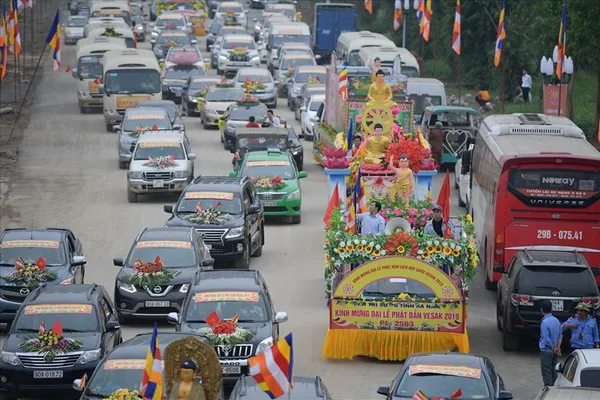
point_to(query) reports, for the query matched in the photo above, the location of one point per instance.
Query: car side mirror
(74, 72)
(314, 119)
(194, 42)
(178, 127)
(168, 208)
(78, 260)
(303, 109)
(505, 395)
(209, 262)
(383, 390)
(281, 317)
(499, 268)
(173, 318)
(191, 156)
(116, 128)
(112, 326)
(118, 262)
(558, 367)
(77, 385)
(318, 57)
(302, 174)
(254, 209)
(152, 41)
(210, 46)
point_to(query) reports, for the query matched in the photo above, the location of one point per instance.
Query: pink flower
(427, 212)
(411, 220)
(423, 221)
(396, 212)
(395, 110)
(412, 212)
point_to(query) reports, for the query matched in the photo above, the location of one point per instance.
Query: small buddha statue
(375, 145)
(379, 91)
(405, 181)
(187, 388)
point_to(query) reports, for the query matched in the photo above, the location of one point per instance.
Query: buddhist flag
(369, 6)
(420, 15)
(83, 381)
(397, 14)
(444, 202)
(42, 328)
(17, 32)
(53, 40)
(198, 209)
(562, 43)
(10, 27)
(3, 43)
(19, 263)
(360, 200)
(351, 219)
(500, 36)
(427, 20)
(235, 319)
(334, 202)
(273, 369)
(152, 378)
(456, 30)
(420, 396)
(343, 84)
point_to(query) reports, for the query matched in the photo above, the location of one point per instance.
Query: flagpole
(459, 81)
(32, 20)
(503, 88)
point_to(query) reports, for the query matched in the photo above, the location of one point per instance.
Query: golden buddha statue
(379, 92)
(375, 146)
(405, 181)
(187, 388)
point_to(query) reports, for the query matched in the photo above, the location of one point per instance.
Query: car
(211, 35)
(304, 75)
(534, 275)
(60, 249)
(238, 232)
(181, 250)
(160, 163)
(258, 4)
(267, 92)
(230, 61)
(84, 313)
(303, 98)
(168, 39)
(80, 9)
(170, 21)
(231, 7)
(238, 115)
(212, 8)
(305, 388)
(174, 80)
(194, 87)
(283, 202)
(123, 367)
(225, 30)
(287, 9)
(296, 148)
(175, 52)
(287, 48)
(134, 121)
(259, 23)
(170, 107)
(74, 28)
(560, 393)
(308, 113)
(580, 369)
(441, 374)
(217, 100)
(139, 27)
(287, 63)
(232, 292)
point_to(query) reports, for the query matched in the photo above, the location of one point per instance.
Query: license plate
(158, 184)
(269, 203)
(557, 305)
(47, 374)
(231, 369)
(158, 304)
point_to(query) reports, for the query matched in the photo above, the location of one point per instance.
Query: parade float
(196, 11)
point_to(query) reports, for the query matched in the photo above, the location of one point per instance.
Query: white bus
(350, 43)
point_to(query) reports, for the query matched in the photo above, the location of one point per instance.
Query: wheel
(132, 197)
(122, 164)
(244, 261)
(109, 128)
(222, 140)
(258, 251)
(83, 110)
(460, 202)
(296, 219)
(510, 341)
(489, 285)
(498, 316)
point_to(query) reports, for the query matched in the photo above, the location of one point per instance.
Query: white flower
(436, 242)
(356, 241)
(372, 244)
(342, 244)
(429, 243)
(383, 252)
(459, 248)
(377, 247)
(363, 242)
(420, 252)
(453, 245)
(445, 244)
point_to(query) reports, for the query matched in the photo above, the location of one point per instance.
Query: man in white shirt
(526, 86)
(275, 122)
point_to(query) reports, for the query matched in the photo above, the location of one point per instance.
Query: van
(124, 33)
(111, 9)
(425, 92)
(350, 43)
(410, 66)
(290, 32)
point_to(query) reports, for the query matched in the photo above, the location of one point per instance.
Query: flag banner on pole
(456, 30)
(398, 16)
(273, 369)
(343, 84)
(53, 40)
(17, 32)
(334, 202)
(500, 36)
(151, 387)
(421, 15)
(350, 134)
(3, 42)
(369, 6)
(427, 20)
(10, 28)
(562, 43)
(359, 193)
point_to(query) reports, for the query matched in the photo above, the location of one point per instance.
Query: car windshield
(434, 385)
(225, 202)
(183, 73)
(292, 62)
(392, 287)
(77, 22)
(410, 72)
(145, 150)
(278, 40)
(72, 317)
(543, 280)
(315, 105)
(240, 113)
(224, 95)
(231, 9)
(265, 78)
(231, 30)
(131, 122)
(179, 40)
(173, 254)
(200, 85)
(115, 374)
(261, 143)
(170, 109)
(258, 169)
(162, 22)
(129, 81)
(239, 43)
(305, 77)
(288, 12)
(249, 306)
(214, 28)
(31, 250)
(90, 66)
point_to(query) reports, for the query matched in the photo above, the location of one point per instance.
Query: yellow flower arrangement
(376, 252)
(455, 253)
(447, 251)
(403, 296)
(341, 250)
(360, 248)
(437, 249)
(124, 394)
(401, 249)
(426, 254)
(429, 249)
(340, 140)
(350, 247)
(369, 249)
(469, 218)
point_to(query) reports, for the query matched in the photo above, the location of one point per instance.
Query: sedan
(194, 88)
(441, 375)
(580, 369)
(302, 99)
(304, 75)
(74, 29)
(170, 107)
(168, 39)
(265, 89)
(175, 79)
(217, 100)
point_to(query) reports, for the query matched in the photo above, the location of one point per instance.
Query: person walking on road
(584, 329)
(436, 141)
(526, 86)
(550, 341)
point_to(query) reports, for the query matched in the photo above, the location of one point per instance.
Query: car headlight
(193, 99)
(179, 174)
(256, 58)
(296, 152)
(111, 111)
(235, 232)
(264, 345)
(134, 175)
(9, 358)
(85, 95)
(210, 111)
(89, 356)
(222, 57)
(295, 195)
(127, 287)
(184, 288)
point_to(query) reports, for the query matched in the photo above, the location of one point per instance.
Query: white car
(462, 178)
(308, 113)
(232, 7)
(580, 369)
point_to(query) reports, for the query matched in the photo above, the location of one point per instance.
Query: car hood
(173, 82)
(181, 275)
(261, 330)
(179, 220)
(138, 166)
(218, 105)
(235, 124)
(89, 340)
(62, 273)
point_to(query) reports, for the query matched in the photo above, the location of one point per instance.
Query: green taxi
(275, 177)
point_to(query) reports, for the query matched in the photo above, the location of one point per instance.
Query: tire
(83, 110)
(109, 128)
(297, 219)
(489, 285)
(244, 261)
(132, 197)
(498, 316)
(259, 249)
(510, 341)
(122, 164)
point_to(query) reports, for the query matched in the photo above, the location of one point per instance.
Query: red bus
(535, 184)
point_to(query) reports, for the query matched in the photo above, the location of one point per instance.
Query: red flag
(158, 261)
(198, 208)
(42, 328)
(456, 394)
(19, 263)
(41, 263)
(334, 202)
(444, 201)
(217, 204)
(212, 319)
(57, 328)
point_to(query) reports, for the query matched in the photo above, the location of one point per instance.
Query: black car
(175, 79)
(296, 148)
(305, 388)
(211, 35)
(212, 8)
(232, 292)
(168, 39)
(169, 106)
(258, 4)
(62, 253)
(86, 314)
(181, 250)
(532, 276)
(195, 85)
(438, 375)
(238, 232)
(123, 367)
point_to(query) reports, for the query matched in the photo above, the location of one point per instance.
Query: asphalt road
(67, 175)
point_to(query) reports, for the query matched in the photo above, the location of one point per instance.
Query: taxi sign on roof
(204, 297)
(267, 163)
(58, 309)
(209, 195)
(151, 145)
(453, 370)
(176, 34)
(49, 244)
(146, 116)
(302, 56)
(125, 364)
(239, 40)
(172, 244)
(290, 32)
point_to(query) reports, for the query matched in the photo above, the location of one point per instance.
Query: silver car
(161, 163)
(171, 21)
(232, 7)
(74, 29)
(304, 75)
(229, 60)
(267, 92)
(215, 49)
(287, 64)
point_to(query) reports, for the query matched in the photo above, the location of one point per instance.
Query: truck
(331, 19)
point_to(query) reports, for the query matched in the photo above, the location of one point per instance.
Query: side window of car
(186, 146)
(492, 373)
(248, 195)
(572, 369)
(567, 365)
(510, 270)
(107, 309)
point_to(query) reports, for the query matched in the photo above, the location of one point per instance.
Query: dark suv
(237, 229)
(85, 312)
(61, 250)
(311, 388)
(564, 278)
(181, 250)
(232, 292)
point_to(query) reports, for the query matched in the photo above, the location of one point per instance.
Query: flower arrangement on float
(148, 273)
(265, 183)
(239, 51)
(226, 333)
(50, 343)
(252, 86)
(124, 394)
(209, 216)
(312, 80)
(289, 71)
(111, 31)
(30, 274)
(139, 129)
(248, 101)
(160, 162)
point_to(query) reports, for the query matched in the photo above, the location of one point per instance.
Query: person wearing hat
(436, 225)
(187, 388)
(584, 329)
(550, 341)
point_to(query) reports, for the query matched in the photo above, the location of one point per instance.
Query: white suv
(580, 369)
